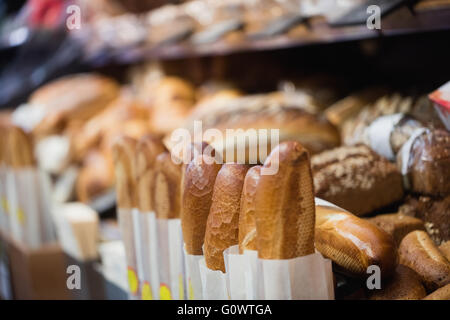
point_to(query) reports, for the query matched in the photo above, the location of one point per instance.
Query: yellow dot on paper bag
(190, 290)
(20, 216)
(146, 292)
(164, 292)
(180, 285)
(133, 281)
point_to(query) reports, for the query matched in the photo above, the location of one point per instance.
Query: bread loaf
(19, 148)
(223, 219)
(403, 285)
(445, 249)
(123, 155)
(440, 294)
(199, 179)
(356, 179)
(418, 252)
(247, 216)
(284, 204)
(353, 243)
(167, 190)
(429, 163)
(147, 149)
(397, 225)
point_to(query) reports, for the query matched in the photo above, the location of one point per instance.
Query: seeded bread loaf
(356, 179)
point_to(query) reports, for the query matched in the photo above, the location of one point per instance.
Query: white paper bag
(214, 283)
(149, 247)
(193, 280)
(138, 245)
(4, 214)
(171, 267)
(236, 266)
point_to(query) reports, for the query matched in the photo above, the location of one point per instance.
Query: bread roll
(397, 225)
(19, 148)
(353, 243)
(148, 148)
(124, 164)
(356, 178)
(247, 216)
(167, 194)
(418, 252)
(199, 179)
(445, 249)
(429, 163)
(440, 294)
(223, 220)
(284, 204)
(403, 285)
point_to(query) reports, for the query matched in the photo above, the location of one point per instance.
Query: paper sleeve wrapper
(125, 218)
(146, 239)
(193, 281)
(214, 283)
(29, 206)
(4, 211)
(171, 260)
(304, 278)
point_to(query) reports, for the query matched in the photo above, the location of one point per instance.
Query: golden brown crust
(199, 179)
(223, 220)
(404, 285)
(418, 252)
(167, 189)
(247, 216)
(397, 225)
(147, 149)
(124, 162)
(440, 294)
(284, 202)
(353, 243)
(19, 148)
(445, 249)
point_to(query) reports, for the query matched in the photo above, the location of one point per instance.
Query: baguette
(167, 187)
(418, 252)
(199, 179)
(353, 243)
(223, 220)
(404, 285)
(445, 249)
(147, 149)
(440, 294)
(123, 155)
(284, 202)
(19, 148)
(247, 216)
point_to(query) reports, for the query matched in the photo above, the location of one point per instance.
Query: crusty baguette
(223, 220)
(123, 154)
(440, 294)
(445, 249)
(284, 202)
(167, 194)
(397, 225)
(403, 285)
(199, 179)
(247, 216)
(19, 148)
(147, 149)
(353, 243)
(418, 252)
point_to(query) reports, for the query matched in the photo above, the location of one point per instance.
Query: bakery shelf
(314, 31)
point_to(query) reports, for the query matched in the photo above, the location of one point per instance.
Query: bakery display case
(225, 150)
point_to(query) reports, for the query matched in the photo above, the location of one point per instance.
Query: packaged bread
(404, 284)
(352, 243)
(247, 215)
(356, 179)
(285, 224)
(72, 98)
(397, 225)
(418, 252)
(223, 219)
(435, 212)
